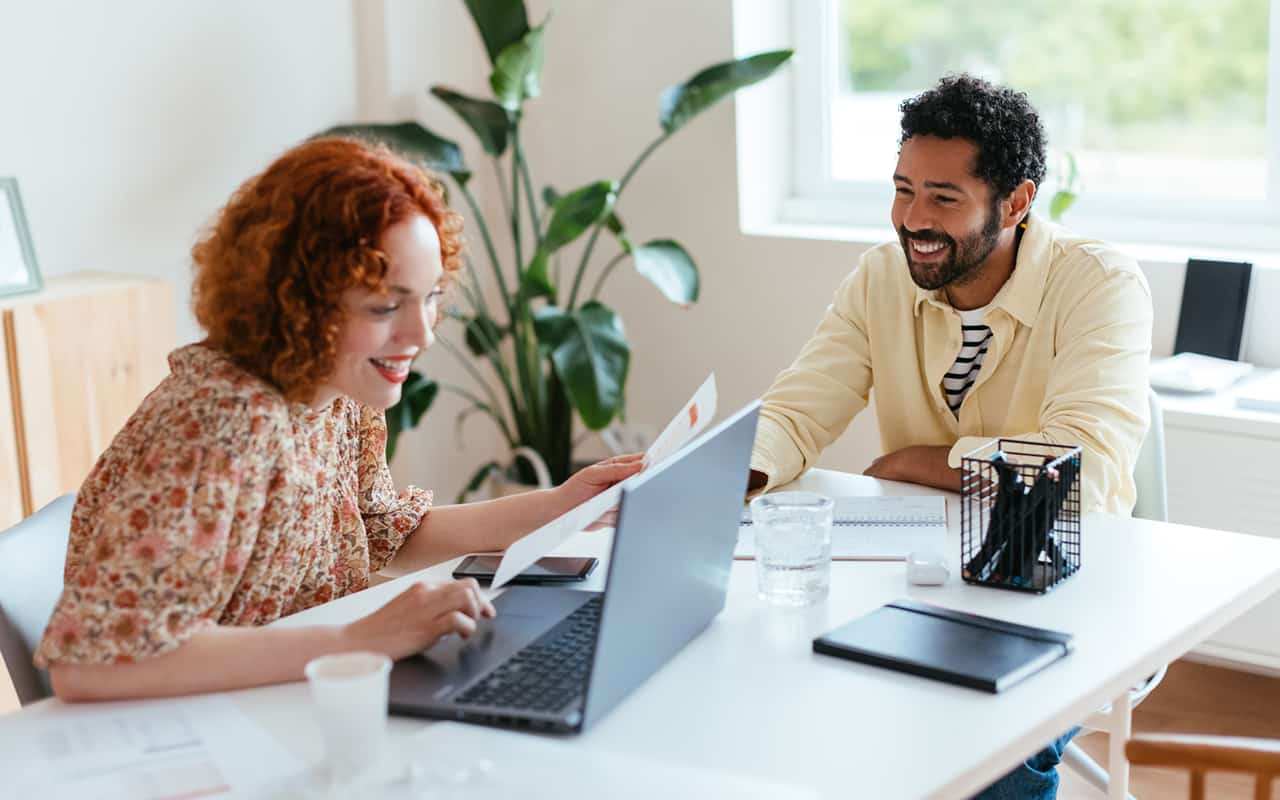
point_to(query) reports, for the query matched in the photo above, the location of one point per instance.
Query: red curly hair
(270, 272)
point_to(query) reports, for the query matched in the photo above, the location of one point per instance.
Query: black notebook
(951, 646)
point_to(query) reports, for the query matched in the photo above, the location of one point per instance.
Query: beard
(966, 255)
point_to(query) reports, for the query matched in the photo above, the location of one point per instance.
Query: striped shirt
(976, 338)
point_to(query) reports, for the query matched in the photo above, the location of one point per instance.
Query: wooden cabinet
(79, 357)
(1221, 464)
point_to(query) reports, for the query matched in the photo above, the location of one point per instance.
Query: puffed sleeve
(160, 534)
(389, 517)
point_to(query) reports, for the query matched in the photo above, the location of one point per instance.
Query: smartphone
(551, 569)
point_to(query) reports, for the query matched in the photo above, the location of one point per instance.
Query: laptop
(559, 659)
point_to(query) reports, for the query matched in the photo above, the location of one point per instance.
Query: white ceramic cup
(350, 695)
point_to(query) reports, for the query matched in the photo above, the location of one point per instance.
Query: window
(1161, 105)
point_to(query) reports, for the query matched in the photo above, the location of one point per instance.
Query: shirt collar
(1020, 295)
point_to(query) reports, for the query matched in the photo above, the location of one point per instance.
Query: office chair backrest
(1148, 470)
(32, 556)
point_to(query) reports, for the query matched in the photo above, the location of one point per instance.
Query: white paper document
(687, 423)
(194, 747)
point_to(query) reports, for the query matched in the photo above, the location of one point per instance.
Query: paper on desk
(687, 423)
(194, 747)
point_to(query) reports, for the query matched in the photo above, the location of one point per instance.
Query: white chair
(32, 556)
(1152, 503)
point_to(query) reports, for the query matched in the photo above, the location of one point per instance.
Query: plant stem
(483, 406)
(515, 197)
(488, 244)
(524, 341)
(470, 368)
(502, 187)
(595, 291)
(495, 359)
(474, 293)
(528, 193)
(595, 232)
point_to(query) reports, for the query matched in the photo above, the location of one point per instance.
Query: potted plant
(554, 348)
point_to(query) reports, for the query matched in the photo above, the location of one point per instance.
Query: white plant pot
(502, 486)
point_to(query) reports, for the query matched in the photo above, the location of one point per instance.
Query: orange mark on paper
(693, 415)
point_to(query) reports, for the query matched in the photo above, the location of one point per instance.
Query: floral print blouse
(220, 502)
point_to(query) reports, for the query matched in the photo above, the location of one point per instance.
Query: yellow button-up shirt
(1067, 364)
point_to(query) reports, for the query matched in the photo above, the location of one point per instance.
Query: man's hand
(922, 464)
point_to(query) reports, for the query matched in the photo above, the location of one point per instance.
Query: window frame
(813, 199)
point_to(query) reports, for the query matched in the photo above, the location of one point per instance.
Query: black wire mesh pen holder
(1020, 515)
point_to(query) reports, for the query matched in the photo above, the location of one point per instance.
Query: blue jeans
(1036, 779)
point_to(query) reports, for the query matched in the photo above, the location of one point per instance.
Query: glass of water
(793, 546)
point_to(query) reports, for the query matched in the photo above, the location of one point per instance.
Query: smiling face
(384, 330)
(946, 218)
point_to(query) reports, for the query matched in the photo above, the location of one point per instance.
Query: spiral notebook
(874, 528)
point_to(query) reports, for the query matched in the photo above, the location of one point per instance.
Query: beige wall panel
(86, 360)
(10, 475)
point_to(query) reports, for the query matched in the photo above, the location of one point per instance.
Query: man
(982, 320)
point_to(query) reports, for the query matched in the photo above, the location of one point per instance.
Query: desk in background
(1222, 463)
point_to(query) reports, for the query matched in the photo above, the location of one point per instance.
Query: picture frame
(19, 272)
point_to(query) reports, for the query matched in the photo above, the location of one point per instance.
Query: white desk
(1220, 462)
(749, 696)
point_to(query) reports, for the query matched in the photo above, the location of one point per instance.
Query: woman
(252, 483)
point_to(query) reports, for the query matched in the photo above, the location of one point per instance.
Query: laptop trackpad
(524, 614)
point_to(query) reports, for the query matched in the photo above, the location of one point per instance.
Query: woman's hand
(590, 481)
(418, 617)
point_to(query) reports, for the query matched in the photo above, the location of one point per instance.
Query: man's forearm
(933, 470)
(923, 464)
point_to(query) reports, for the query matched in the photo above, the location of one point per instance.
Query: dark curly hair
(999, 120)
(271, 271)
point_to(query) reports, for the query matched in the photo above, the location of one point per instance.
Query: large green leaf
(683, 102)
(577, 211)
(517, 71)
(482, 334)
(668, 266)
(1059, 204)
(500, 22)
(613, 222)
(416, 395)
(591, 355)
(411, 140)
(536, 281)
(486, 118)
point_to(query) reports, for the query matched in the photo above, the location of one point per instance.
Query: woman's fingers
(614, 471)
(465, 596)
(451, 622)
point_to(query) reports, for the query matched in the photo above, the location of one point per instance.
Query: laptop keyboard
(546, 674)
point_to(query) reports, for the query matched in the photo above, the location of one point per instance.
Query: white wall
(129, 123)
